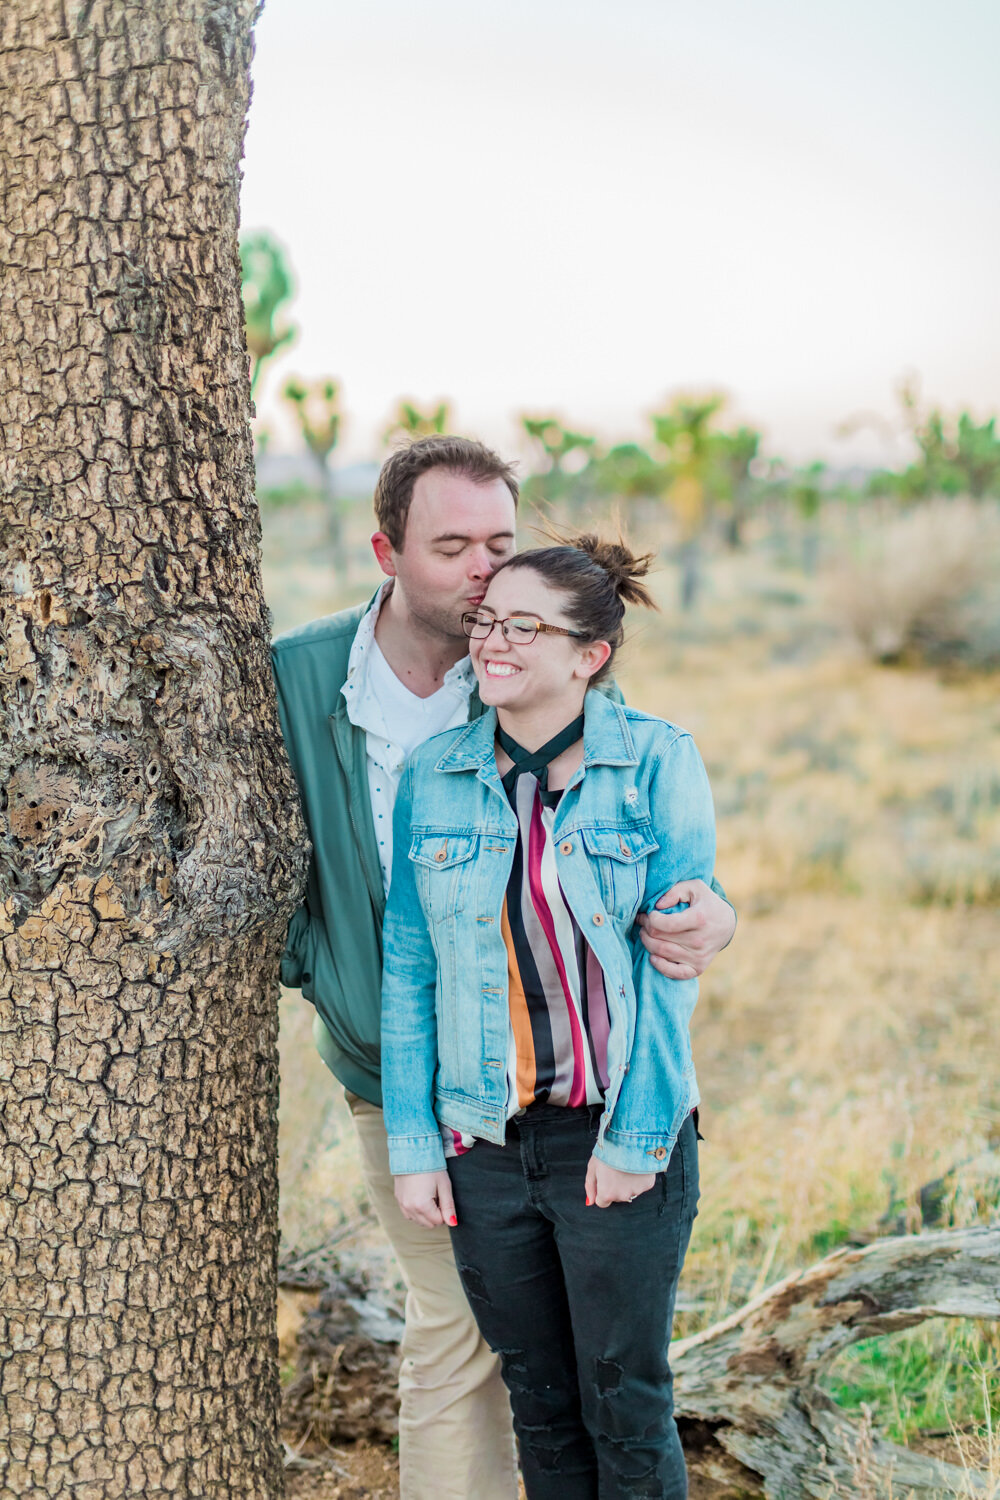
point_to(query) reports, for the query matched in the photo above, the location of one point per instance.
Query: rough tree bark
(752, 1415)
(150, 844)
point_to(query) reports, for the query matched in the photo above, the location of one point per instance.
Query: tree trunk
(752, 1414)
(690, 562)
(334, 518)
(150, 843)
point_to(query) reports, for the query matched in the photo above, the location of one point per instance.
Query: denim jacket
(635, 818)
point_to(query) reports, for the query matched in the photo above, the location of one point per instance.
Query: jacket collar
(607, 739)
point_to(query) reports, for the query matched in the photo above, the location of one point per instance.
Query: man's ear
(592, 659)
(385, 553)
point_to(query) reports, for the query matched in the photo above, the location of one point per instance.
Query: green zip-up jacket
(333, 951)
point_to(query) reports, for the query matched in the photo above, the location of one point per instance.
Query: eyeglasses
(517, 628)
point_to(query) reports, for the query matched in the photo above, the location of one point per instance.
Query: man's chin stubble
(444, 628)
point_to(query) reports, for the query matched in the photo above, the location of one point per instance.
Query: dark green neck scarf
(536, 762)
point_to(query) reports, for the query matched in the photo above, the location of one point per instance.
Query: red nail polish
(588, 1200)
(453, 1222)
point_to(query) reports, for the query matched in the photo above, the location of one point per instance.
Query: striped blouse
(557, 1045)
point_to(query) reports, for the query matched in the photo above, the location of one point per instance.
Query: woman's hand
(425, 1198)
(607, 1185)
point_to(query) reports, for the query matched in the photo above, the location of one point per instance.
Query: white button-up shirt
(395, 720)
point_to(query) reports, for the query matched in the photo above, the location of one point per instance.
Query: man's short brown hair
(402, 469)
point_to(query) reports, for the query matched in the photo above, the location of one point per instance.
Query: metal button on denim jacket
(635, 818)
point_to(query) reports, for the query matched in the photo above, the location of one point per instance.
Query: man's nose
(481, 563)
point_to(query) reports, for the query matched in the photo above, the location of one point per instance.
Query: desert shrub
(927, 585)
(960, 875)
(275, 497)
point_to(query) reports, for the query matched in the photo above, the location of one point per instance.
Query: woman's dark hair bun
(623, 566)
(598, 578)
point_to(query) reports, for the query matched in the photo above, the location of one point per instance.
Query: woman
(538, 1083)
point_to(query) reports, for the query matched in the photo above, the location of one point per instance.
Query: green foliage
(806, 490)
(705, 466)
(976, 456)
(316, 405)
(830, 1238)
(957, 456)
(277, 497)
(734, 453)
(684, 428)
(410, 421)
(566, 468)
(556, 441)
(738, 450)
(690, 462)
(934, 1378)
(627, 472)
(267, 286)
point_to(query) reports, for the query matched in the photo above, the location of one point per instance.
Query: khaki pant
(455, 1436)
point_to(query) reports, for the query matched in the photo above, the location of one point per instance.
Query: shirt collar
(461, 678)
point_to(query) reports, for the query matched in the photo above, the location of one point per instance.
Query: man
(357, 692)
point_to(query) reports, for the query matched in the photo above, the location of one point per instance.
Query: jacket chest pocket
(618, 856)
(444, 865)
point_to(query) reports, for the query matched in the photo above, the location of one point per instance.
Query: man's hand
(606, 1185)
(425, 1198)
(682, 945)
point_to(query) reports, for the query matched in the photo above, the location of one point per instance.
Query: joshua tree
(557, 442)
(735, 452)
(957, 456)
(977, 455)
(554, 481)
(411, 421)
(685, 431)
(807, 496)
(150, 844)
(317, 410)
(267, 286)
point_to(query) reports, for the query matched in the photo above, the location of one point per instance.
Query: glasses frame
(471, 614)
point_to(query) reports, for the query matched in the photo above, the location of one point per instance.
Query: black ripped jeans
(578, 1302)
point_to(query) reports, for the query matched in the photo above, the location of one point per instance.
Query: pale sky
(584, 207)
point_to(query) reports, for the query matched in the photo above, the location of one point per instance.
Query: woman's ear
(592, 659)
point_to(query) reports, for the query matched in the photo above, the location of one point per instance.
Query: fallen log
(753, 1416)
(975, 1180)
(347, 1368)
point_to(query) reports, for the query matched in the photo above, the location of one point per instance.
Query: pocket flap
(442, 850)
(624, 844)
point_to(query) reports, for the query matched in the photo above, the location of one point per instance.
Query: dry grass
(922, 583)
(847, 1043)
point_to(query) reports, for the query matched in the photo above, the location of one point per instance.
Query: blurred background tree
(562, 456)
(806, 493)
(267, 286)
(734, 454)
(627, 477)
(956, 456)
(976, 455)
(316, 406)
(684, 432)
(410, 421)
